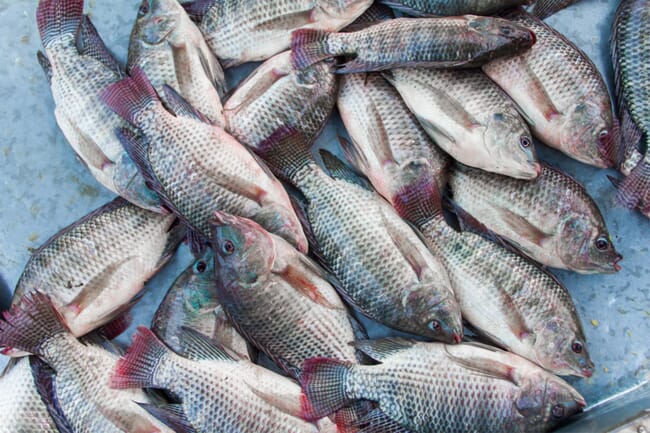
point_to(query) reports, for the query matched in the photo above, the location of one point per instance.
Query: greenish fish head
(501, 36)
(588, 134)
(156, 21)
(243, 251)
(562, 349)
(511, 146)
(586, 245)
(198, 285)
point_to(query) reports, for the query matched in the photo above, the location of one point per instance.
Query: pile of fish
(442, 224)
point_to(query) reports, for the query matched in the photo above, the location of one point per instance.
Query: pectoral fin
(524, 227)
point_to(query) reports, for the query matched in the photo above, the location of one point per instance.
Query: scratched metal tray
(43, 188)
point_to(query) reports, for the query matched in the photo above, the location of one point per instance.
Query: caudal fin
(634, 190)
(323, 383)
(30, 324)
(56, 18)
(418, 200)
(130, 96)
(136, 369)
(308, 47)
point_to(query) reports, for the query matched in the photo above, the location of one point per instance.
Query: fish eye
(144, 8)
(201, 267)
(525, 142)
(228, 247)
(577, 347)
(506, 30)
(602, 243)
(558, 411)
(434, 325)
(603, 136)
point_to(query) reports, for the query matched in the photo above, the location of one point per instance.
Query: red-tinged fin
(56, 18)
(137, 368)
(634, 190)
(308, 47)
(43, 376)
(378, 422)
(30, 324)
(198, 347)
(90, 44)
(522, 226)
(418, 200)
(45, 64)
(286, 150)
(172, 415)
(117, 326)
(323, 383)
(130, 96)
(197, 9)
(302, 284)
(178, 106)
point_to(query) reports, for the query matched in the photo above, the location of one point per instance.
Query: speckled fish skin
(464, 41)
(21, 408)
(630, 52)
(77, 77)
(218, 393)
(470, 118)
(191, 302)
(93, 268)
(453, 8)
(169, 47)
(552, 219)
(198, 167)
(275, 95)
(546, 8)
(561, 94)
(240, 31)
(433, 387)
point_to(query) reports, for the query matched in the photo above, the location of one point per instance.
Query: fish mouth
(587, 372)
(615, 264)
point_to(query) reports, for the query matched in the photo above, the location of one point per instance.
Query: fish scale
(453, 8)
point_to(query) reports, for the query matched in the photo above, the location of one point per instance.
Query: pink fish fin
(380, 135)
(43, 376)
(178, 106)
(137, 368)
(130, 96)
(323, 382)
(400, 7)
(30, 324)
(90, 44)
(56, 18)
(418, 199)
(538, 93)
(197, 9)
(524, 227)
(382, 349)
(378, 422)
(197, 346)
(514, 318)
(297, 279)
(634, 190)
(117, 326)
(172, 415)
(287, 22)
(486, 367)
(308, 47)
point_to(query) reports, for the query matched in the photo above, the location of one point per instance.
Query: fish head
(562, 349)
(197, 282)
(509, 142)
(243, 251)
(157, 20)
(501, 36)
(438, 317)
(588, 132)
(586, 244)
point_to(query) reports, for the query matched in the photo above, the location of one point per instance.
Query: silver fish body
(452, 8)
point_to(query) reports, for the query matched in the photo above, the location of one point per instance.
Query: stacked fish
(288, 246)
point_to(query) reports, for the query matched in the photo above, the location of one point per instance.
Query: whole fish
(93, 269)
(502, 295)
(452, 8)
(560, 93)
(21, 407)
(192, 302)
(241, 31)
(426, 42)
(275, 95)
(386, 137)
(552, 219)
(79, 66)
(470, 118)
(218, 393)
(197, 167)
(170, 49)
(77, 385)
(433, 387)
(383, 267)
(630, 53)
(546, 8)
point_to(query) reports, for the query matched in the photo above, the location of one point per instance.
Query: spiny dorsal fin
(381, 350)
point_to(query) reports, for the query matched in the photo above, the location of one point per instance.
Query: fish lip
(538, 168)
(615, 264)
(457, 338)
(587, 372)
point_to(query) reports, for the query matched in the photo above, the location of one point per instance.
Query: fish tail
(308, 47)
(57, 18)
(30, 324)
(418, 199)
(130, 96)
(634, 190)
(323, 383)
(286, 150)
(137, 368)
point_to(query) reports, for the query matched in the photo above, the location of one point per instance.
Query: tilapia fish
(552, 219)
(21, 408)
(452, 8)
(77, 384)
(240, 31)
(197, 167)
(433, 387)
(275, 95)
(170, 49)
(546, 8)
(502, 295)
(192, 302)
(383, 267)
(218, 393)
(94, 268)
(426, 42)
(630, 54)
(79, 66)
(560, 93)
(470, 118)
